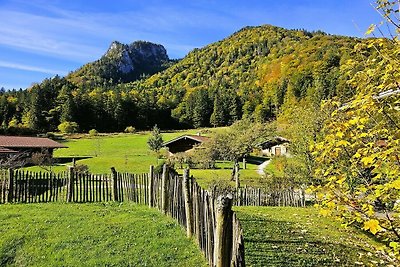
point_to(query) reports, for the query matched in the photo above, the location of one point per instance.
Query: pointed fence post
(223, 231)
(10, 196)
(151, 185)
(188, 203)
(115, 183)
(244, 163)
(164, 191)
(71, 181)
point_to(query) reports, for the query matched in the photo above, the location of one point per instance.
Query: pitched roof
(197, 138)
(28, 142)
(273, 142)
(4, 150)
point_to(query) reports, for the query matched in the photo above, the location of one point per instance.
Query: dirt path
(260, 168)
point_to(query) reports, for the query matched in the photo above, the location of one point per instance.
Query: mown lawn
(286, 236)
(92, 235)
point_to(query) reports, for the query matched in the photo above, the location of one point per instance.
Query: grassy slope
(285, 236)
(92, 235)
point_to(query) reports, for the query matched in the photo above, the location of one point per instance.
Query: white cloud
(12, 65)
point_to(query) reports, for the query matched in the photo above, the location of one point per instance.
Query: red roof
(28, 142)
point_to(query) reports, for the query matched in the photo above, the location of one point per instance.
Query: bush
(130, 129)
(68, 127)
(93, 132)
(81, 168)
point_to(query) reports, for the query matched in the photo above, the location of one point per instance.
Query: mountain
(123, 63)
(253, 73)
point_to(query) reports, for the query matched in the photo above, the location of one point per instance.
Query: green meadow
(106, 234)
(130, 153)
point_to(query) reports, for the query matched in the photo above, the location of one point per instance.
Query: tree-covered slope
(252, 71)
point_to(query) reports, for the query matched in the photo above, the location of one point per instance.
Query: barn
(10, 145)
(184, 143)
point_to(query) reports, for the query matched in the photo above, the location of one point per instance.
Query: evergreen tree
(217, 117)
(155, 141)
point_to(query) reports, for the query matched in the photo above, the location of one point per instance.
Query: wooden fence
(207, 218)
(248, 196)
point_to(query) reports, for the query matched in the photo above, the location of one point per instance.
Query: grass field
(130, 153)
(92, 235)
(286, 236)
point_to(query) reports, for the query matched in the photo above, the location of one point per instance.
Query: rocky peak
(127, 57)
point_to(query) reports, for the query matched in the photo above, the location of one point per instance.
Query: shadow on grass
(271, 242)
(63, 160)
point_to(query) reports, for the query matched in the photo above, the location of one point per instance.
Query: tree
(239, 140)
(217, 117)
(68, 127)
(358, 159)
(155, 141)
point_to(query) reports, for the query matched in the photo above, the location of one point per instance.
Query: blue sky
(42, 38)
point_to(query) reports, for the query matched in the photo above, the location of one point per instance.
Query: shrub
(130, 129)
(93, 132)
(68, 127)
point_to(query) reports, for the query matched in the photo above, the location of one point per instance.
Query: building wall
(277, 150)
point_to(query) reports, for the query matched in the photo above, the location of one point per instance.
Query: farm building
(10, 145)
(275, 147)
(184, 143)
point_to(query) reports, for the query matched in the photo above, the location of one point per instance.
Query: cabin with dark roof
(10, 145)
(184, 143)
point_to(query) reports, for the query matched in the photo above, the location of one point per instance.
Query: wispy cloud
(12, 65)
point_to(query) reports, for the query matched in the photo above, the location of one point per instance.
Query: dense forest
(250, 74)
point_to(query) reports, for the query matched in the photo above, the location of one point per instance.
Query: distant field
(92, 235)
(130, 153)
(287, 236)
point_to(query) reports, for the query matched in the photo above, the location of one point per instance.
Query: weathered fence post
(223, 231)
(10, 195)
(164, 191)
(244, 163)
(71, 182)
(151, 185)
(237, 181)
(188, 203)
(115, 183)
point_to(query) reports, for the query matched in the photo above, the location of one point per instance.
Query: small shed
(277, 146)
(184, 143)
(21, 144)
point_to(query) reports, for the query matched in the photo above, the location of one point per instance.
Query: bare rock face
(124, 63)
(127, 57)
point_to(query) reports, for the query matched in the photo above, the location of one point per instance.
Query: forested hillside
(249, 74)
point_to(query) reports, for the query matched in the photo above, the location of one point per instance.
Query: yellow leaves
(370, 30)
(343, 143)
(396, 184)
(367, 161)
(372, 226)
(354, 121)
(394, 245)
(340, 134)
(325, 212)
